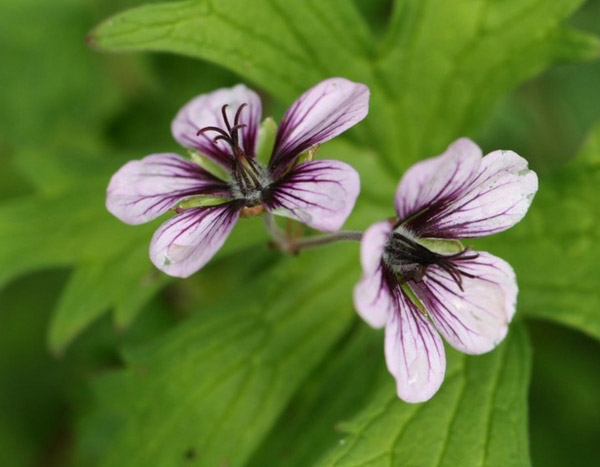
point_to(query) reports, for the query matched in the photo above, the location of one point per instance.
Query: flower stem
(318, 240)
(293, 246)
(278, 235)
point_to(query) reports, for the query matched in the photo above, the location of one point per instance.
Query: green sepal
(209, 165)
(266, 141)
(441, 246)
(413, 298)
(202, 201)
(308, 155)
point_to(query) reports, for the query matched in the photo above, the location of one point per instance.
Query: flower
(226, 179)
(418, 280)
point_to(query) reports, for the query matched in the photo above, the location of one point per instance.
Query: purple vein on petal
(320, 194)
(186, 242)
(145, 189)
(320, 114)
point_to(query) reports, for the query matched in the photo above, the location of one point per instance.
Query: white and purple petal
(321, 113)
(497, 199)
(320, 194)
(187, 241)
(144, 189)
(205, 111)
(475, 319)
(373, 294)
(414, 352)
(460, 194)
(437, 180)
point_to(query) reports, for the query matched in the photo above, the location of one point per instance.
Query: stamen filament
(225, 119)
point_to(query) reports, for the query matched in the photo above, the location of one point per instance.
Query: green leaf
(32, 384)
(229, 371)
(126, 282)
(432, 80)
(554, 250)
(446, 74)
(564, 409)
(281, 45)
(56, 95)
(73, 228)
(341, 386)
(45, 93)
(479, 417)
(377, 185)
(60, 229)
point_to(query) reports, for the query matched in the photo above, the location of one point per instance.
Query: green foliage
(477, 418)
(32, 385)
(336, 390)
(49, 76)
(431, 79)
(126, 282)
(58, 100)
(563, 398)
(68, 229)
(554, 249)
(258, 359)
(235, 365)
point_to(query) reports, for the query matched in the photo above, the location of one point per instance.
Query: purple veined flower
(227, 179)
(418, 279)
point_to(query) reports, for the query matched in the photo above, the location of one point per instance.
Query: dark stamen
(211, 128)
(236, 119)
(247, 174)
(222, 138)
(230, 136)
(410, 260)
(225, 119)
(234, 133)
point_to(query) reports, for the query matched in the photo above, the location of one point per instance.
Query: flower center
(249, 179)
(409, 260)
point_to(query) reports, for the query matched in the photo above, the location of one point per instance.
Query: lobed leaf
(341, 386)
(229, 371)
(125, 281)
(433, 78)
(479, 417)
(446, 63)
(73, 228)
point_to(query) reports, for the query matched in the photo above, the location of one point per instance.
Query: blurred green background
(69, 114)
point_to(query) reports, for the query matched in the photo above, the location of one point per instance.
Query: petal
(372, 295)
(498, 198)
(321, 113)
(143, 190)
(321, 194)
(438, 179)
(372, 244)
(414, 352)
(373, 299)
(461, 195)
(205, 110)
(475, 320)
(186, 242)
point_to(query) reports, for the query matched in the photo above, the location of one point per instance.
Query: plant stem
(293, 246)
(276, 233)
